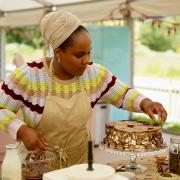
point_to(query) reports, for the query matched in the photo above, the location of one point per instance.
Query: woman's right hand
(31, 138)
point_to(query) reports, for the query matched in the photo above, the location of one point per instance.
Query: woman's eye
(79, 55)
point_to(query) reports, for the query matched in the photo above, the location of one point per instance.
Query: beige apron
(64, 124)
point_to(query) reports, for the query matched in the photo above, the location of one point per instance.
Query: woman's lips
(83, 68)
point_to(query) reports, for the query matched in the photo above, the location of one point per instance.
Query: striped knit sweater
(27, 89)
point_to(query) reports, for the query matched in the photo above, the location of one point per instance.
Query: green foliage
(170, 127)
(173, 73)
(156, 64)
(25, 35)
(153, 68)
(154, 38)
(28, 52)
(157, 70)
(157, 38)
(148, 120)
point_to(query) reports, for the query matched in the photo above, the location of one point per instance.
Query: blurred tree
(25, 35)
(160, 38)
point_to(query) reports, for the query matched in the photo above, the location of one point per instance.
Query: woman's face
(76, 56)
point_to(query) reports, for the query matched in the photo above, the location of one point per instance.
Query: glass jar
(174, 155)
(36, 163)
(11, 166)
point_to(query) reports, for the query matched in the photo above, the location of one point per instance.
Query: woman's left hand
(151, 108)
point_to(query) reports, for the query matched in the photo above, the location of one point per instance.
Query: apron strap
(50, 82)
(81, 84)
(83, 89)
(62, 157)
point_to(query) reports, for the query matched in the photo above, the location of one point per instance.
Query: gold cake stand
(133, 166)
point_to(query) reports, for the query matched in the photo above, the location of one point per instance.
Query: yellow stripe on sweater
(6, 121)
(34, 86)
(3, 106)
(117, 95)
(131, 98)
(29, 122)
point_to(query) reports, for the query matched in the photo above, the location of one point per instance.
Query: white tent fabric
(29, 12)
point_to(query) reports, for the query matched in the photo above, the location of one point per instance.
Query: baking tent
(28, 12)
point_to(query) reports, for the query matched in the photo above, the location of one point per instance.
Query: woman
(58, 94)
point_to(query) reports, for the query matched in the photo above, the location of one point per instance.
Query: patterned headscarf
(57, 26)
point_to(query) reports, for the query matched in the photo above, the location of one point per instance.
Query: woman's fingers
(161, 112)
(151, 108)
(41, 146)
(32, 139)
(151, 114)
(44, 141)
(162, 115)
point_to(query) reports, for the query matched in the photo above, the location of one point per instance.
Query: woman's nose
(86, 60)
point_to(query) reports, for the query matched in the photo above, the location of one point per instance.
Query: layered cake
(130, 135)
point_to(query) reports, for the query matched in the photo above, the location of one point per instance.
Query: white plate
(119, 177)
(130, 175)
(60, 175)
(54, 175)
(79, 172)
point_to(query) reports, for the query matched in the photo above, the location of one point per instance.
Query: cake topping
(145, 123)
(130, 125)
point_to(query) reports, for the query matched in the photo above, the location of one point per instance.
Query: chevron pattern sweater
(27, 88)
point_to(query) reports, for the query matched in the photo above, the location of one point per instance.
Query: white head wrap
(57, 26)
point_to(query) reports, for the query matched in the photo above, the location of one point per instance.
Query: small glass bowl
(36, 163)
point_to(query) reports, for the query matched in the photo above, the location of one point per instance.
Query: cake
(131, 135)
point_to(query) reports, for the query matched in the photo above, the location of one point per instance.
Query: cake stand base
(138, 168)
(133, 166)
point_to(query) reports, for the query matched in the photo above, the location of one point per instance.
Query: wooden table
(150, 162)
(150, 174)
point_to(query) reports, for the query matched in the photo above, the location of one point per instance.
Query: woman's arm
(121, 95)
(12, 94)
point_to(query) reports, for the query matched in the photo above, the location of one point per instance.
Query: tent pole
(130, 24)
(131, 27)
(129, 21)
(2, 52)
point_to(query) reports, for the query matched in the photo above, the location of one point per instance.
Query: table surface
(149, 162)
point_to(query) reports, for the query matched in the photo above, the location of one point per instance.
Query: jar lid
(175, 140)
(11, 146)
